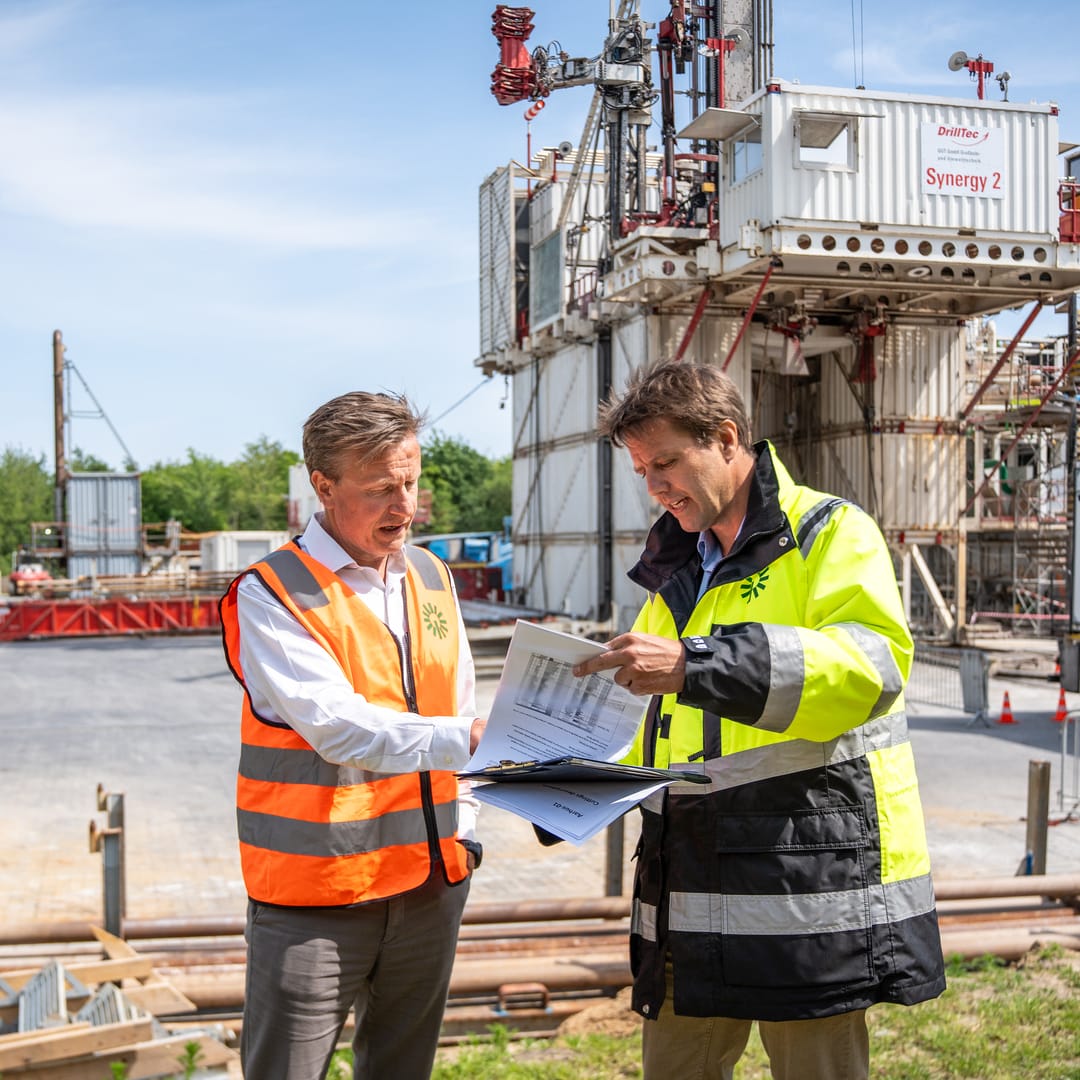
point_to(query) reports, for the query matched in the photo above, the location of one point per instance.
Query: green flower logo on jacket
(435, 620)
(754, 585)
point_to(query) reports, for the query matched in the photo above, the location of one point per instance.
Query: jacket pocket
(795, 904)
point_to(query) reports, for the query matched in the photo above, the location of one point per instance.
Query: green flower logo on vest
(753, 585)
(435, 620)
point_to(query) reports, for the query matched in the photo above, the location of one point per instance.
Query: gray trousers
(306, 967)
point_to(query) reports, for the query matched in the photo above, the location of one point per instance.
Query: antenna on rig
(978, 69)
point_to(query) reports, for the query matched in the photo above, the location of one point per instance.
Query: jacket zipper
(408, 686)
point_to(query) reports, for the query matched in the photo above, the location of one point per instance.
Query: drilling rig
(835, 250)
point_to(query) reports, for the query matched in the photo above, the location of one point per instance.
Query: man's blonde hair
(357, 427)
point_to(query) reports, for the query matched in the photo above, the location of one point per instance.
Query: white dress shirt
(292, 679)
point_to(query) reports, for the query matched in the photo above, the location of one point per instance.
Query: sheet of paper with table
(551, 750)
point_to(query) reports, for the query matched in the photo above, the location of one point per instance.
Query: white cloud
(104, 161)
(23, 31)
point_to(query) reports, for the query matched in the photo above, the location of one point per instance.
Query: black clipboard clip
(580, 770)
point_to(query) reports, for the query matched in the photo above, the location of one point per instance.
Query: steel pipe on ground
(601, 907)
(1057, 886)
(1008, 943)
(222, 986)
(1065, 887)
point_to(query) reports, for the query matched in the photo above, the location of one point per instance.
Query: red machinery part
(33, 619)
(514, 77)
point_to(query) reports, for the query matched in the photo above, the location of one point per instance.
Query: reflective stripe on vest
(313, 833)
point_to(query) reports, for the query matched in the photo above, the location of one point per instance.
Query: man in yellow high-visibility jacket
(794, 889)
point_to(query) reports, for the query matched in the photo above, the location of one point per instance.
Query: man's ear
(323, 485)
(727, 436)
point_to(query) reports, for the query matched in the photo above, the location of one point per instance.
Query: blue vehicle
(481, 562)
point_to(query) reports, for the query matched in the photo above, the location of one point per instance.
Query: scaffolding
(1018, 527)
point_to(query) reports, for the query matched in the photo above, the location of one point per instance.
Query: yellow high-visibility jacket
(317, 834)
(796, 884)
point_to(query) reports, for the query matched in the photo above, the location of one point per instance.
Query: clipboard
(568, 770)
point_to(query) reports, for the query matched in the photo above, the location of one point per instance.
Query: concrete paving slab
(158, 720)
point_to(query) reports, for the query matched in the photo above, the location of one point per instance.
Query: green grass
(996, 1021)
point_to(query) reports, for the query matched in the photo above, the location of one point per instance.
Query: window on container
(744, 153)
(823, 140)
(545, 280)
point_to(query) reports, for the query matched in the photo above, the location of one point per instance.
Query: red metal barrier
(32, 619)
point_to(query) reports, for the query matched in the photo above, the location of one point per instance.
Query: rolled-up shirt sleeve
(292, 679)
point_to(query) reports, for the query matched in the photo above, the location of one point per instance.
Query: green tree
(469, 490)
(81, 461)
(26, 494)
(261, 495)
(198, 493)
(491, 502)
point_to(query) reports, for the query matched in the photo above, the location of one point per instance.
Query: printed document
(542, 712)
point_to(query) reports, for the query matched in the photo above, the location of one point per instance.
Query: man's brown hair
(694, 397)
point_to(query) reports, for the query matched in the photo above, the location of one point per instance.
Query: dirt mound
(609, 1017)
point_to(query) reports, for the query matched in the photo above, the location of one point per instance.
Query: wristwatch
(475, 848)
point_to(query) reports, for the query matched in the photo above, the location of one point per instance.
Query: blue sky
(236, 209)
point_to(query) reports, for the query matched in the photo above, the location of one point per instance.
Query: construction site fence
(959, 679)
(956, 679)
(181, 583)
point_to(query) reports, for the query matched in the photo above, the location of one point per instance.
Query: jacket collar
(669, 548)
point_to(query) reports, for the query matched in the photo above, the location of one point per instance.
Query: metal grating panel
(497, 262)
(43, 1000)
(109, 1006)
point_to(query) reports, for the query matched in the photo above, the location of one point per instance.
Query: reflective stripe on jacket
(314, 833)
(796, 884)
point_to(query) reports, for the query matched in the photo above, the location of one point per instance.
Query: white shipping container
(231, 552)
(873, 170)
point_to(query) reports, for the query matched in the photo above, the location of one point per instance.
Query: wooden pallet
(75, 1021)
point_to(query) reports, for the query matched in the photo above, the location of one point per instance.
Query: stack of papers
(551, 749)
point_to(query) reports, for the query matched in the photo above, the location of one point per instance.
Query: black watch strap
(475, 848)
(697, 647)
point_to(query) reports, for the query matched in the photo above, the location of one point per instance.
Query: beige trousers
(707, 1048)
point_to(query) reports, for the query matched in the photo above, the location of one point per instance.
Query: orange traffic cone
(1006, 716)
(1062, 709)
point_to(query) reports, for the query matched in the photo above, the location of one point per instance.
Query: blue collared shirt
(712, 555)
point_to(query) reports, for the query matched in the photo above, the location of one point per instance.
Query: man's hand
(647, 663)
(475, 732)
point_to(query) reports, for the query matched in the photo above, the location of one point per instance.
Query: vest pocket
(794, 899)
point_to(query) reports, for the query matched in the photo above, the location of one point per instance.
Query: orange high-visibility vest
(313, 833)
